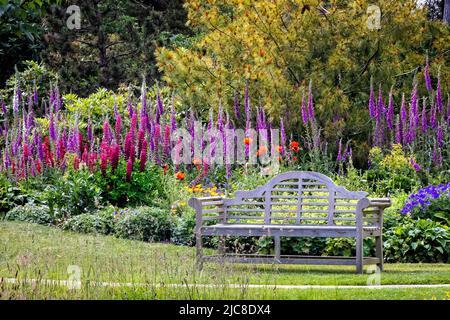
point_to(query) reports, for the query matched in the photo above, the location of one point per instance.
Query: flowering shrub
(432, 202)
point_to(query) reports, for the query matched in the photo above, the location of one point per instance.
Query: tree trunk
(446, 15)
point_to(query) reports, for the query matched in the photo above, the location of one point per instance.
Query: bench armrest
(381, 203)
(378, 205)
(206, 206)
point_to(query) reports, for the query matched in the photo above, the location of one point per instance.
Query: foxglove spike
(311, 115)
(439, 104)
(427, 76)
(424, 117)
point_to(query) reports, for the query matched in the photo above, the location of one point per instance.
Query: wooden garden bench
(292, 204)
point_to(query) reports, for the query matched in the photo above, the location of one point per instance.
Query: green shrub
(31, 213)
(72, 194)
(101, 222)
(145, 188)
(299, 246)
(183, 232)
(417, 241)
(145, 224)
(347, 247)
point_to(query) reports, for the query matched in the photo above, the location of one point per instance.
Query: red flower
(141, 136)
(103, 163)
(92, 161)
(85, 155)
(165, 168)
(295, 146)
(247, 141)
(38, 165)
(128, 143)
(180, 175)
(129, 169)
(114, 156)
(143, 156)
(76, 163)
(26, 153)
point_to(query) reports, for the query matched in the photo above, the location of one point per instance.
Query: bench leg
(359, 254)
(379, 251)
(199, 250)
(221, 245)
(277, 243)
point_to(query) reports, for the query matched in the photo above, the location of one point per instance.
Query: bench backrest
(296, 197)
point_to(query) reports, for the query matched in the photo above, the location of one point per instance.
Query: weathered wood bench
(292, 204)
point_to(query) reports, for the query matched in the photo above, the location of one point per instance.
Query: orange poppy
(248, 140)
(180, 175)
(280, 149)
(295, 146)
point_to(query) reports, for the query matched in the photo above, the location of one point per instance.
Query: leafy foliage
(417, 241)
(99, 222)
(145, 188)
(145, 223)
(31, 213)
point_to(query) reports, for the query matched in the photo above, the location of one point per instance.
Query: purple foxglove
(159, 105)
(237, 113)
(433, 117)
(414, 111)
(339, 155)
(426, 74)
(398, 131)
(310, 103)
(440, 107)
(247, 109)
(52, 131)
(173, 119)
(380, 110)
(448, 109)
(304, 112)
(283, 134)
(390, 112)
(403, 112)
(424, 117)
(440, 136)
(414, 164)
(372, 106)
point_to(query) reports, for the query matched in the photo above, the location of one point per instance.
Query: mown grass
(29, 251)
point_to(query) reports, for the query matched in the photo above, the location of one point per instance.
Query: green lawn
(29, 251)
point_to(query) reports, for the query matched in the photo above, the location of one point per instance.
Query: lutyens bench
(292, 204)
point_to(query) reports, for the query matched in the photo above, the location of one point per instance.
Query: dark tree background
(21, 32)
(115, 44)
